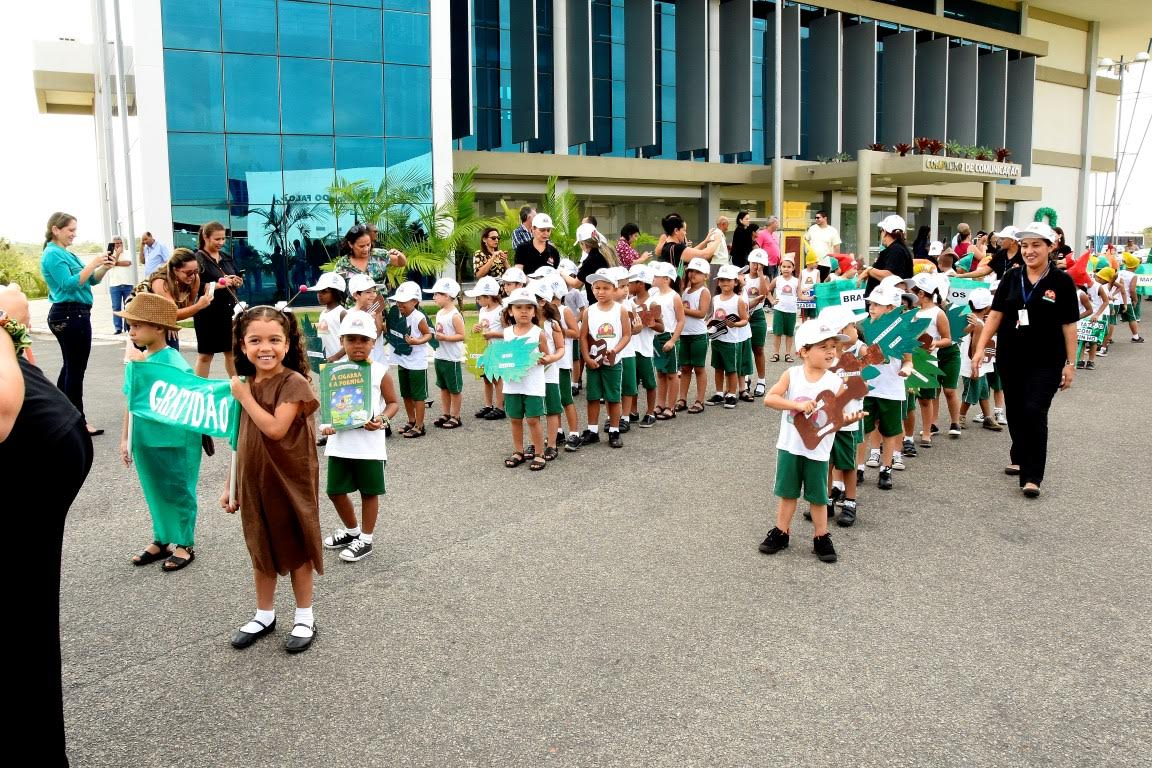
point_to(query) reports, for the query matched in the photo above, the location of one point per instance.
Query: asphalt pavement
(613, 610)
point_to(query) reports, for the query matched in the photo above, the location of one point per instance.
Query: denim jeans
(71, 324)
(119, 294)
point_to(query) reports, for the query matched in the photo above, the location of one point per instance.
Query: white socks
(366, 538)
(303, 616)
(593, 428)
(264, 617)
(353, 531)
(838, 484)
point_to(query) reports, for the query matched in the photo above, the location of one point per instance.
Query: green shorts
(783, 323)
(566, 387)
(745, 363)
(604, 383)
(350, 475)
(1128, 314)
(949, 362)
(645, 373)
(926, 395)
(628, 376)
(976, 390)
(1112, 313)
(993, 378)
(524, 406)
(693, 350)
(844, 450)
(552, 404)
(1134, 307)
(885, 415)
(665, 362)
(413, 383)
(759, 327)
(796, 475)
(450, 376)
(725, 356)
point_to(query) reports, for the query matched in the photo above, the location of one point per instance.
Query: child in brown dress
(277, 470)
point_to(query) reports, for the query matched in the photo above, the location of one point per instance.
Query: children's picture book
(345, 395)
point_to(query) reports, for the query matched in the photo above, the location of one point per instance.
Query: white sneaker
(978, 418)
(873, 458)
(898, 462)
(1000, 417)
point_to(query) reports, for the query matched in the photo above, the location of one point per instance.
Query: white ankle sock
(593, 428)
(353, 531)
(838, 484)
(303, 616)
(366, 538)
(264, 617)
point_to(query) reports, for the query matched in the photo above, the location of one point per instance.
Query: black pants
(1028, 395)
(71, 324)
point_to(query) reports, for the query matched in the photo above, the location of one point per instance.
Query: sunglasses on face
(187, 272)
(492, 237)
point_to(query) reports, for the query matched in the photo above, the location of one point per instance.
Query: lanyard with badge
(1022, 314)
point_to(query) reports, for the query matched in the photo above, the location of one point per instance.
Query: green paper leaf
(845, 292)
(397, 330)
(925, 372)
(896, 333)
(957, 319)
(509, 359)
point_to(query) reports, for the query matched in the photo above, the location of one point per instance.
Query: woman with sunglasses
(357, 258)
(178, 279)
(489, 261)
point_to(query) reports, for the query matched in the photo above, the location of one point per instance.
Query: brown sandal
(696, 407)
(681, 405)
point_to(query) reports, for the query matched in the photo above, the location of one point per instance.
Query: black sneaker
(572, 443)
(884, 482)
(322, 441)
(357, 550)
(589, 437)
(559, 438)
(909, 448)
(859, 475)
(483, 412)
(1080, 365)
(953, 430)
(730, 401)
(649, 420)
(625, 426)
(775, 541)
(340, 539)
(495, 414)
(834, 496)
(1090, 366)
(935, 429)
(847, 514)
(634, 417)
(614, 440)
(823, 549)
(716, 399)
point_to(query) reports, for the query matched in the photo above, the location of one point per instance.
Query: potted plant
(903, 148)
(922, 145)
(935, 146)
(877, 147)
(1002, 155)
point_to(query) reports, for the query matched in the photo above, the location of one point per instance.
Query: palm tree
(564, 208)
(278, 225)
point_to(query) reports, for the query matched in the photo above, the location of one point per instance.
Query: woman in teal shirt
(70, 283)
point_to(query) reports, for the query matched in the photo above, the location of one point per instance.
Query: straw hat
(151, 308)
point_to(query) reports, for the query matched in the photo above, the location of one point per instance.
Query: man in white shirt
(720, 258)
(824, 240)
(152, 254)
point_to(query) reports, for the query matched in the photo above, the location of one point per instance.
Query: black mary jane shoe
(296, 644)
(242, 639)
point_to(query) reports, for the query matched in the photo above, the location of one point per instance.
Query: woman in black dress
(742, 240)
(214, 323)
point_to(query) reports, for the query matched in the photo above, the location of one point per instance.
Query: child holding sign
(524, 397)
(884, 405)
(449, 355)
(167, 457)
(490, 325)
(357, 457)
(976, 390)
(671, 307)
(413, 365)
(802, 469)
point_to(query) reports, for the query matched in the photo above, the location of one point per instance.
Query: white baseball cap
(885, 296)
(560, 288)
(600, 275)
(815, 331)
(358, 283)
(617, 274)
(639, 273)
(839, 316)
(1010, 232)
(588, 231)
(357, 322)
(408, 291)
(541, 221)
(520, 296)
(330, 281)
(542, 271)
(758, 256)
(936, 248)
(1038, 229)
(892, 224)
(542, 289)
(699, 265)
(728, 272)
(924, 281)
(445, 285)
(980, 298)
(663, 269)
(514, 275)
(568, 267)
(485, 286)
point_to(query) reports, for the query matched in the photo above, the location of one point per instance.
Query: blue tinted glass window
(356, 33)
(254, 168)
(420, 6)
(191, 24)
(406, 155)
(308, 167)
(405, 38)
(197, 168)
(186, 221)
(407, 101)
(360, 160)
(195, 100)
(304, 29)
(359, 107)
(361, 3)
(305, 96)
(249, 25)
(250, 93)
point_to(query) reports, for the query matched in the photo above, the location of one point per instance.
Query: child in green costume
(167, 458)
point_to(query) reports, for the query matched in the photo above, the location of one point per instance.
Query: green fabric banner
(167, 395)
(1144, 280)
(845, 292)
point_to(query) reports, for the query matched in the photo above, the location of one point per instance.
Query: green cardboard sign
(845, 292)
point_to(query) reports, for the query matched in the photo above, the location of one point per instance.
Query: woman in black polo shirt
(1033, 317)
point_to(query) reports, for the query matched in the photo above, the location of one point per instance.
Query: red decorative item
(877, 148)
(1002, 155)
(935, 146)
(922, 145)
(903, 148)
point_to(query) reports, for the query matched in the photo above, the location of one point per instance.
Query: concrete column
(102, 111)
(710, 199)
(560, 76)
(864, 205)
(833, 203)
(932, 203)
(902, 202)
(713, 82)
(989, 219)
(1075, 237)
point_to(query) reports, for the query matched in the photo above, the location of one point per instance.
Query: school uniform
(728, 346)
(665, 362)
(931, 314)
(693, 346)
(525, 398)
(605, 382)
(784, 297)
(412, 368)
(553, 404)
(564, 365)
(627, 356)
(328, 329)
(843, 456)
(803, 471)
(448, 359)
(885, 401)
(357, 457)
(644, 343)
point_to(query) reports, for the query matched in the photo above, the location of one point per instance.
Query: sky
(50, 160)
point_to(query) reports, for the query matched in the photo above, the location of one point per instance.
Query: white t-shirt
(694, 326)
(785, 294)
(824, 240)
(630, 348)
(667, 304)
(889, 385)
(361, 443)
(754, 287)
(643, 340)
(729, 306)
(720, 257)
(417, 359)
(448, 350)
(565, 363)
(800, 389)
(809, 277)
(328, 328)
(533, 382)
(121, 275)
(605, 325)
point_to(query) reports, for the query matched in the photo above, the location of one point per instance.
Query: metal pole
(1085, 178)
(102, 113)
(778, 118)
(122, 105)
(1119, 153)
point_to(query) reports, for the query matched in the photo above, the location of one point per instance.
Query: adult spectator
(120, 283)
(1002, 259)
(598, 255)
(44, 444)
(538, 252)
(1034, 314)
(490, 260)
(179, 280)
(70, 282)
(894, 259)
(626, 253)
(963, 239)
(1060, 249)
(152, 253)
(720, 257)
(921, 244)
(824, 240)
(767, 240)
(674, 247)
(523, 233)
(214, 323)
(359, 256)
(742, 242)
